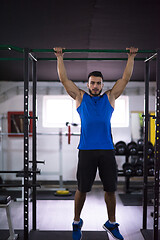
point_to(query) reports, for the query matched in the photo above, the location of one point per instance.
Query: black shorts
(89, 161)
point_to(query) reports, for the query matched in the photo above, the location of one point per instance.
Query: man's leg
(79, 202)
(108, 175)
(110, 200)
(111, 226)
(86, 172)
(78, 222)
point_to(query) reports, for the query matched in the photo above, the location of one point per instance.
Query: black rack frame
(157, 150)
(147, 233)
(26, 143)
(27, 57)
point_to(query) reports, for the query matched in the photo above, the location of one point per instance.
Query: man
(96, 148)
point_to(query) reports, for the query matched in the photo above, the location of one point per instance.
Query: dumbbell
(138, 166)
(151, 160)
(1, 181)
(132, 148)
(151, 170)
(140, 158)
(140, 144)
(120, 148)
(128, 169)
(150, 148)
(151, 166)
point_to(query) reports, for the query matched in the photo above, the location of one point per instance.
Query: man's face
(95, 85)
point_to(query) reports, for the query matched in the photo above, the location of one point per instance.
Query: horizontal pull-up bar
(11, 59)
(74, 59)
(90, 59)
(93, 50)
(10, 47)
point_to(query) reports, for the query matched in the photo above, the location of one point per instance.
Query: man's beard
(95, 94)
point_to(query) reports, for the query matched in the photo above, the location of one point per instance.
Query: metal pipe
(93, 50)
(74, 59)
(30, 171)
(34, 145)
(11, 134)
(11, 59)
(2, 144)
(42, 162)
(145, 150)
(26, 144)
(157, 151)
(10, 47)
(151, 57)
(18, 185)
(60, 160)
(32, 57)
(52, 133)
(90, 59)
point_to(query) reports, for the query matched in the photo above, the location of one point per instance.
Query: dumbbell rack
(122, 174)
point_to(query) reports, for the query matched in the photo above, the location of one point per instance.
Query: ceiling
(92, 24)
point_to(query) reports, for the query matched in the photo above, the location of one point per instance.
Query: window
(57, 110)
(120, 117)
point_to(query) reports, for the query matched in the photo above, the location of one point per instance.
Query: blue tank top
(95, 114)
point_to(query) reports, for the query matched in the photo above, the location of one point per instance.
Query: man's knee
(110, 194)
(80, 193)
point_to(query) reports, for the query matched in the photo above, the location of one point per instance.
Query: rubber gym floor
(54, 218)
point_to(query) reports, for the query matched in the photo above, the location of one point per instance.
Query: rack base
(148, 234)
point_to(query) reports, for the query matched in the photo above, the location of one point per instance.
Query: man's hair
(95, 74)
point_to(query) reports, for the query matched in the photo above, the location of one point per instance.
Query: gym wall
(48, 146)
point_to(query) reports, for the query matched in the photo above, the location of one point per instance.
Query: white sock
(112, 222)
(76, 222)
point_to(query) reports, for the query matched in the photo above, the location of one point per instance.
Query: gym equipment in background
(132, 148)
(27, 56)
(120, 148)
(5, 202)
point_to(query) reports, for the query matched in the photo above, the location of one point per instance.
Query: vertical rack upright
(145, 149)
(157, 149)
(26, 143)
(34, 144)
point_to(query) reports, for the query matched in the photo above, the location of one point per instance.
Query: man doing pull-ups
(96, 148)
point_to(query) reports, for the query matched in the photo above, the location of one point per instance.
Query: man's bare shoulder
(79, 98)
(110, 97)
(82, 92)
(108, 93)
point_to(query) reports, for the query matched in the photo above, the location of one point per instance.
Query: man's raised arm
(70, 87)
(120, 85)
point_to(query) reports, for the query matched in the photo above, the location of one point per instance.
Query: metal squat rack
(151, 234)
(146, 120)
(29, 56)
